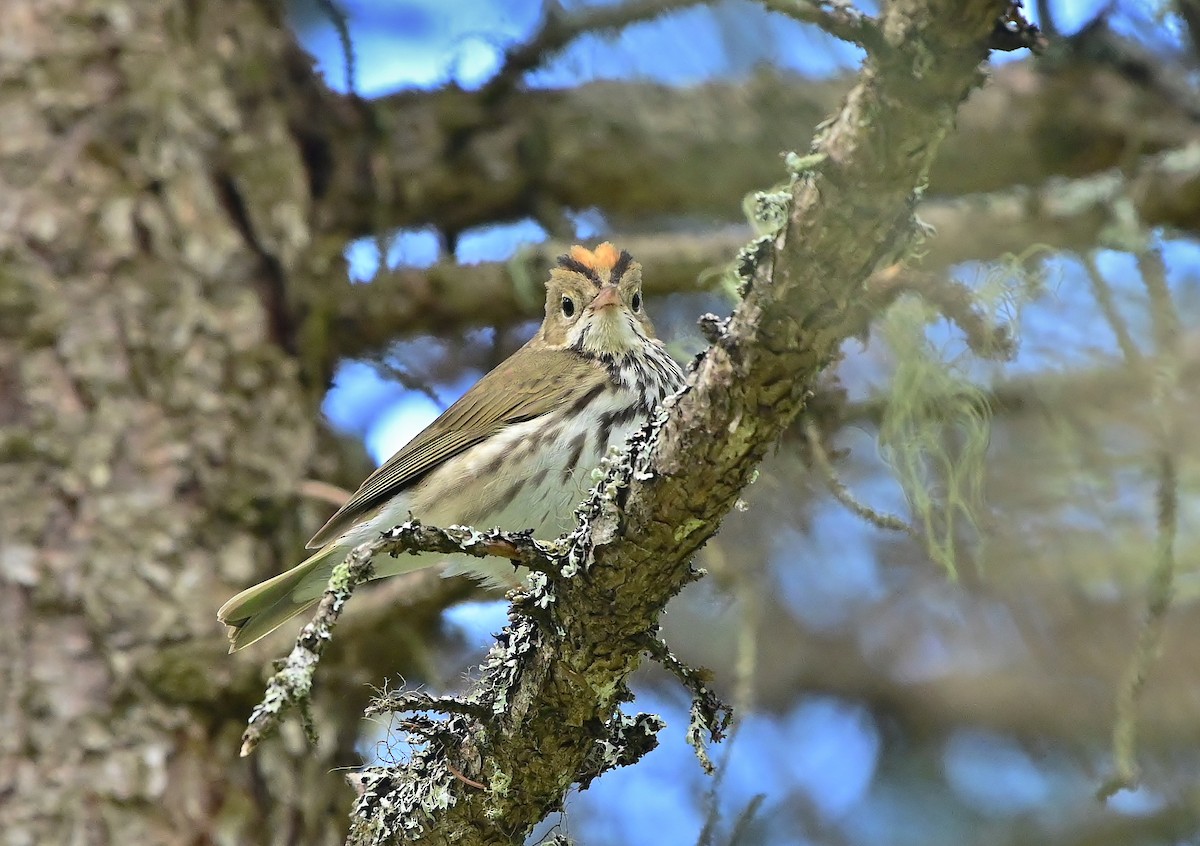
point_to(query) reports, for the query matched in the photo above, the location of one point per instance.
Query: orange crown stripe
(602, 258)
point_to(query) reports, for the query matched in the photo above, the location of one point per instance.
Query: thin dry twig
(559, 29)
(325, 492)
(953, 300)
(841, 493)
(1102, 293)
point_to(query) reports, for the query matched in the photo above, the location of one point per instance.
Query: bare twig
(841, 493)
(325, 492)
(837, 17)
(341, 24)
(1103, 294)
(747, 664)
(559, 29)
(954, 301)
(1046, 19)
(742, 826)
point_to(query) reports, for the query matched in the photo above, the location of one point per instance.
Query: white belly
(531, 476)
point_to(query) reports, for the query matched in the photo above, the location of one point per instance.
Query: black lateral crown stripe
(568, 263)
(623, 262)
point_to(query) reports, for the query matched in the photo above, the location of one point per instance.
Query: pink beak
(608, 297)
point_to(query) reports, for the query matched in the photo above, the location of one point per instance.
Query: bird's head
(594, 303)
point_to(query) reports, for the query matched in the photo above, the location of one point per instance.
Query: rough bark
(155, 422)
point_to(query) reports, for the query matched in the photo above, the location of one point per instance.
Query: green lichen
(934, 434)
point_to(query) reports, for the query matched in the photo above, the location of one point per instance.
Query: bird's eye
(568, 306)
(637, 301)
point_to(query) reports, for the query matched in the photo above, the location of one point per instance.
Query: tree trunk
(155, 422)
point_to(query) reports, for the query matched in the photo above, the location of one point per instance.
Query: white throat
(610, 331)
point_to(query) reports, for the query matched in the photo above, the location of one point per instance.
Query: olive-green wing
(528, 384)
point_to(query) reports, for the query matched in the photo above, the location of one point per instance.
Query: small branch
(325, 492)
(841, 493)
(559, 29)
(1102, 293)
(1164, 315)
(1046, 19)
(396, 701)
(341, 24)
(1124, 734)
(741, 828)
(443, 159)
(1107, 208)
(709, 715)
(838, 18)
(292, 683)
(390, 371)
(627, 739)
(1061, 215)
(954, 301)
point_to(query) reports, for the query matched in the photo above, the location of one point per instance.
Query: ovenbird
(515, 452)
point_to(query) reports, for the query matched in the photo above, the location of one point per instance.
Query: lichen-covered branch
(561, 668)
(291, 684)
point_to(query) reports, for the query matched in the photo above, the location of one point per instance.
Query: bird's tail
(257, 611)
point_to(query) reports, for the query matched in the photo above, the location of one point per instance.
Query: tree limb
(1111, 208)
(452, 160)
